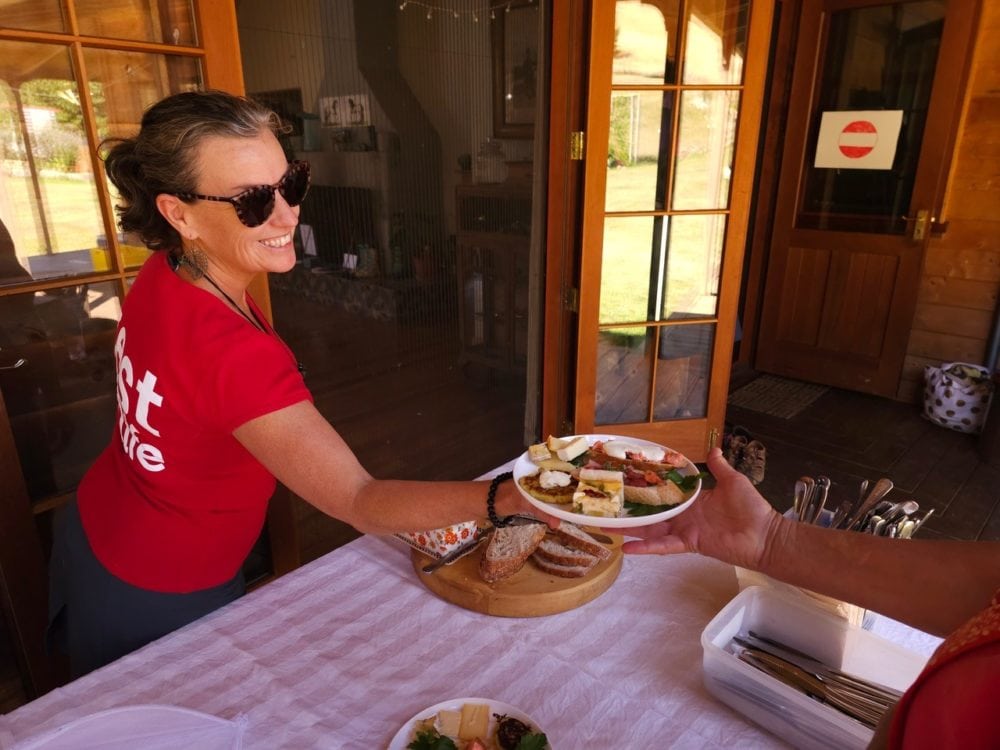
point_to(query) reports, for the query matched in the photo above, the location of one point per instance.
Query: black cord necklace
(197, 272)
(255, 323)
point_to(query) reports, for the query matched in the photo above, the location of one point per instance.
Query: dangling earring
(196, 260)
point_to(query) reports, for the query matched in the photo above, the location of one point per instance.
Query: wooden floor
(851, 436)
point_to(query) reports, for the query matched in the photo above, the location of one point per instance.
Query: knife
(456, 553)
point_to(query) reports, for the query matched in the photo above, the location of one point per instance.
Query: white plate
(524, 466)
(403, 736)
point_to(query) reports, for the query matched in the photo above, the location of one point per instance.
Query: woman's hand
(731, 522)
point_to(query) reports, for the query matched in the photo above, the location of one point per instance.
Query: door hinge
(713, 437)
(566, 427)
(576, 145)
(571, 299)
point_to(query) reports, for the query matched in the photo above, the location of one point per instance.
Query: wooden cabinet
(493, 239)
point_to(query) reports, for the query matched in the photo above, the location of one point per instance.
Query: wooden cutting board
(527, 593)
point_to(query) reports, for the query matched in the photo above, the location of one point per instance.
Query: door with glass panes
(674, 103)
(72, 73)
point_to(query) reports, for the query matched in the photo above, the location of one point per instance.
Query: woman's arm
(933, 585)
(306, 454)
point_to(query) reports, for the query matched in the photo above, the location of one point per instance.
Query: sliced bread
(575, 537)
(508, 549)
(555, 551)
(563, 571)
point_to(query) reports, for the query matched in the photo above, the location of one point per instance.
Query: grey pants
(96, 617)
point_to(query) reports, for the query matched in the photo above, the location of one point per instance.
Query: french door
(72, 73)
(674, 105)
(850, 229)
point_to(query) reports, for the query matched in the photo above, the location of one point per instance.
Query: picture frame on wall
(514, 37)
(331, 114)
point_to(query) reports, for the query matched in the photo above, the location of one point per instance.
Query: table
(341, 652)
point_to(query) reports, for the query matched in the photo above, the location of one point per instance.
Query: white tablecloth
(341, 652)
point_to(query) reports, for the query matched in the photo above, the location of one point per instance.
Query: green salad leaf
(431, 739)
(641, 509)
(686, 483)
(534, 741)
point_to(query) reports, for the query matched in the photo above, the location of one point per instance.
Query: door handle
(921, 223)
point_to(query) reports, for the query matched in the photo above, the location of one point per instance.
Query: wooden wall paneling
(945, 347)
(960, 321)
(971, 293)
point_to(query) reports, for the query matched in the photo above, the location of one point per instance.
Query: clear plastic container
(813, 629)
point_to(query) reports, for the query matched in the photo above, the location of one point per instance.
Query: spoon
(808, 484)
(822, 490)
(882, 488)
(917, 523)
(901, 509)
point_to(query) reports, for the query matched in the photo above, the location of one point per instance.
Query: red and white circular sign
(857, 139)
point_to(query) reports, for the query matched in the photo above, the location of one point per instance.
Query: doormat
(779, 397)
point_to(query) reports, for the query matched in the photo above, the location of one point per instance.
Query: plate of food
(470, 724)
(607, 480)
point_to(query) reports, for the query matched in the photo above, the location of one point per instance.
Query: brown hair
(161, 157)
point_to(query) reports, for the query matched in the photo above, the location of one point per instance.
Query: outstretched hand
(731, 522)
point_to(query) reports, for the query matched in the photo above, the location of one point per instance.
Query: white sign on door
(858, 140)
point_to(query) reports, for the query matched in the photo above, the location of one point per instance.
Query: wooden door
(71, 74)
(674, 98)
(847, 243)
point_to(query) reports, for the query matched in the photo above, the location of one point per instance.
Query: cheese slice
(554, 443)
(554, 464)
(600, 493)
(449, 722)
(539, 452)
(572, 449)
(475, 721)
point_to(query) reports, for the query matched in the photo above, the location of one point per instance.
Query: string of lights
(446, 11)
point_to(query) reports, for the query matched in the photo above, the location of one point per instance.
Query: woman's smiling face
(227, 166)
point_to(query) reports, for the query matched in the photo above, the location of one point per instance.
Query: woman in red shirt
(211, 405)
(947, 588)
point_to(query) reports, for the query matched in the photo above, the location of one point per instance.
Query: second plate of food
(453, 718)
(583, 482)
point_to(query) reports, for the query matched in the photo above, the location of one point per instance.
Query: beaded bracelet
(491, 499)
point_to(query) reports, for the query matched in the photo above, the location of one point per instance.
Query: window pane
(122, 86)
(628, 278)
(705, 149)
(693, 262)
(166, 21)
(48, 197)
(624, 369)
(639, 150)
(36, 15)
(716, 41)
(682, 372)
(879, 58)
(645, 42)
(61, 398)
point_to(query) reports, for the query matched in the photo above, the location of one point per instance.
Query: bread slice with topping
(508, 549)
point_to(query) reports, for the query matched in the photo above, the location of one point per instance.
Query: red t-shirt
(175, 502)
(953, 702)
